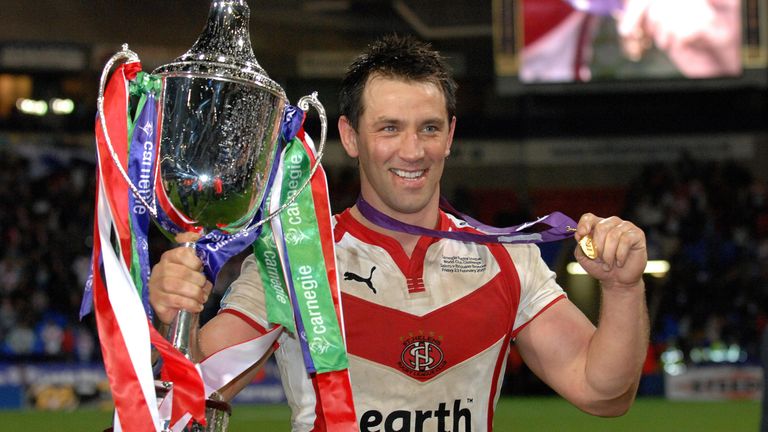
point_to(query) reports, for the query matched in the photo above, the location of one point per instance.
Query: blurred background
(655, 112)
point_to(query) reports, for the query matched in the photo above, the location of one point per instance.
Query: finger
(178, 302)
(184, 256)
(610, 243)
(187, 236)
(181, 280)
(167, 303)
(207, 289)
(618, 243)
(632, 239)
(586, 224)
(605, 237)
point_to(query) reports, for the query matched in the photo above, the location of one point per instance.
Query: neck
(426, 218)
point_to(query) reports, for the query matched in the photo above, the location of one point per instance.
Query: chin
(409, 206)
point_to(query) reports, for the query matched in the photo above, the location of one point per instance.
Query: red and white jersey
(428, 335)
(557, 42)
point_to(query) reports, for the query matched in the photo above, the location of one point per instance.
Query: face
(401, 142)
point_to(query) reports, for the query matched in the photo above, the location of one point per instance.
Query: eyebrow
(397, 121)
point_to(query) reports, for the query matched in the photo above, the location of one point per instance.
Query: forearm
(618, 348)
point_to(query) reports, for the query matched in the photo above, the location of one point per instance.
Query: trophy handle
(127, 56)
(304, 103)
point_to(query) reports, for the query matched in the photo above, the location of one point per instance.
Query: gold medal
(586, 245)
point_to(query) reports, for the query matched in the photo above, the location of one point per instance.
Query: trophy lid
(224, 49)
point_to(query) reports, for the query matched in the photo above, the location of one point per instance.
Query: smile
(408, 175)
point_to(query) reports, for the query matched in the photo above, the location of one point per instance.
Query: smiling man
(429, 331)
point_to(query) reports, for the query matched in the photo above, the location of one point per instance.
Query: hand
(701, 37)
(177, 282)
(621, 250)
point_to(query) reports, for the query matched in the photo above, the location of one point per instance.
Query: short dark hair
(395, 56)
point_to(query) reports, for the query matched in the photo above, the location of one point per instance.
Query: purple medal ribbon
(560, 227)
(597, 7)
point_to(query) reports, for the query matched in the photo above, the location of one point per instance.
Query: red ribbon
(189, 394)
(124, 383)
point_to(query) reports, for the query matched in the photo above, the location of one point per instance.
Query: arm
(597, 369)
(177, 282)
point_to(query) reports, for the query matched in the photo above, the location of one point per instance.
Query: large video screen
(589, 41)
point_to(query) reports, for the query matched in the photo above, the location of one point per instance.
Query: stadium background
(683, 158)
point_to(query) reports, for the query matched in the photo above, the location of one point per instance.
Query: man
(467, 300)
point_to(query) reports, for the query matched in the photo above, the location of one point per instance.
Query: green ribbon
(278, 301)
(303, 247)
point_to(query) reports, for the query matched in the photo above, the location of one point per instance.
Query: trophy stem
(181, 331)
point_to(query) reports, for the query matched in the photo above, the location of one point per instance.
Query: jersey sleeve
(245, 295)
(538, 288)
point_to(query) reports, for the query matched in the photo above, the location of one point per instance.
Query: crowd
(45, 208)
(708, 219)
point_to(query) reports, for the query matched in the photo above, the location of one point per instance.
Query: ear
(450, 136)
(348, 136)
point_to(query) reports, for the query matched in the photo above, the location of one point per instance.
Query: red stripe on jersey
(522, 326)
(494, 382)
(415, 285)
(422, 347)
(250, 321)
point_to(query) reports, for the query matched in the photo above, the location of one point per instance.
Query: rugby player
(429, 321)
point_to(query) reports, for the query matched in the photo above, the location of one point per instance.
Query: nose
(411, 147)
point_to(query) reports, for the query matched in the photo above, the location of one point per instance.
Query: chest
(423, 314)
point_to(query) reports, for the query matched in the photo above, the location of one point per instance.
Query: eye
(430, 129)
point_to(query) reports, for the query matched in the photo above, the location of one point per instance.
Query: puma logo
(354, 277)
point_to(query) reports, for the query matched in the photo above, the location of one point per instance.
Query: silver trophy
(220, 117)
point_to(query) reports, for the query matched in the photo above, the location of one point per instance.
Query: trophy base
(217, 412)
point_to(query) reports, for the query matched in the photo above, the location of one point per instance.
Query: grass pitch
(513, 415)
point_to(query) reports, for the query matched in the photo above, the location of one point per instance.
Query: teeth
(408, 174)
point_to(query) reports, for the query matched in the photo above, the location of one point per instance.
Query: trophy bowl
(219, 123)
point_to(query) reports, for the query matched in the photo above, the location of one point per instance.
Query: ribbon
(142, 158)
(272, 273)
(125, 332)
(309, 282)
(597, 7)
(560, 227)
(307, 299)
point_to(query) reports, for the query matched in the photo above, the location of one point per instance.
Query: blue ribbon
(141, 171)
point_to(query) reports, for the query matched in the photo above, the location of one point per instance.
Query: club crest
(422, 355)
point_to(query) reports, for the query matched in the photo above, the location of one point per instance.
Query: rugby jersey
(427, 335)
